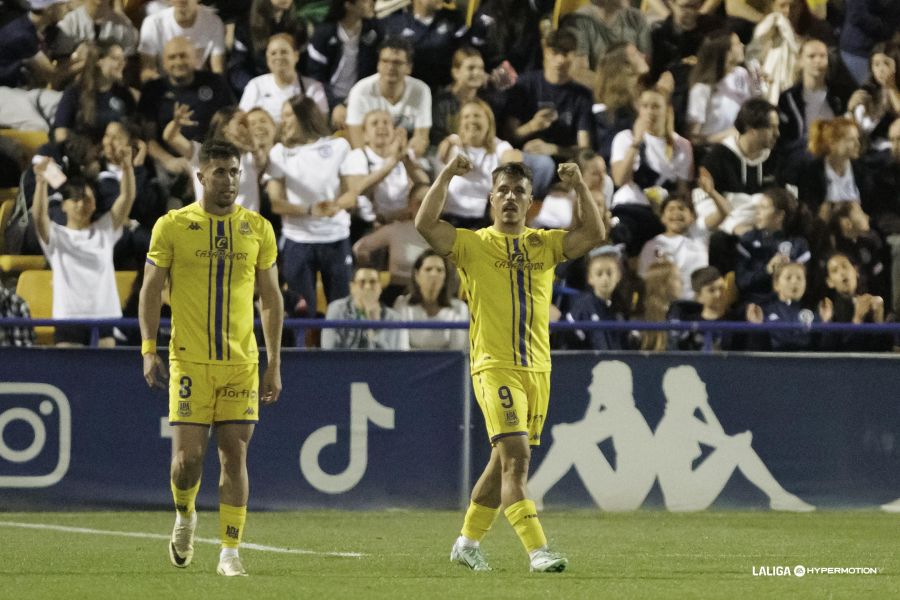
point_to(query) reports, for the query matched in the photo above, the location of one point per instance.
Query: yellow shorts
(204, 394)
(514, 402)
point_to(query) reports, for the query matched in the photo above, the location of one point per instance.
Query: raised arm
(589, 232)
(181, 117)
(438, 233)
(272, 316)
(39, 202)
(121, 208)
(148, 315)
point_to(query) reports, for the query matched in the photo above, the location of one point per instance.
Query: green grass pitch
(406, 555)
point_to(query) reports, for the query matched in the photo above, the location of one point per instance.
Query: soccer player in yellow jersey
(507, 273)
(214, 252)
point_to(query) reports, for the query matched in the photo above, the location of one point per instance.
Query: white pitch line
(157, 536)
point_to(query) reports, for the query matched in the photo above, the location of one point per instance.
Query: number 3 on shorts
(505, 396)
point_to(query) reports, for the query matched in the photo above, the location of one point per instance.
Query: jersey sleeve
(553, 242)
(461, 252)
(161, 250)
(268, 249)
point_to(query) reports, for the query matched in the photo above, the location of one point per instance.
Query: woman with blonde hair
(467, 196)
(662, 287)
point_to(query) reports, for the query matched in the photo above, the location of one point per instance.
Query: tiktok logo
(363, 408)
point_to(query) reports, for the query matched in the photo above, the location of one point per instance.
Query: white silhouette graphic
(678, 438)
(611, 414)
(363, 408)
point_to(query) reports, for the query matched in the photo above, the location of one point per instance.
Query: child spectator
(770, 243)
(711, 305)
(789, 282)
(600, 303)
(851, 307)
(662, 287)
(678, 243)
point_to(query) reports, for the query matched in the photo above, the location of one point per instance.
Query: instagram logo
(35, 435)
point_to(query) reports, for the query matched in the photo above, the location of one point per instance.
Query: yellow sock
(478, 520)
(231, 524)
(523, 517)
(185, 499)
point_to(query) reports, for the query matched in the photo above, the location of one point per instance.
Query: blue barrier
(79, 428)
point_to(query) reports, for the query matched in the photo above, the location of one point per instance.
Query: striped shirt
(508, 281)
(213, 262)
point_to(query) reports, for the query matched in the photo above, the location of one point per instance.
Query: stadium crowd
(744, 153)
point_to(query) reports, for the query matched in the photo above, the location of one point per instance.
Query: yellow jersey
(212, 262)
(508, 281)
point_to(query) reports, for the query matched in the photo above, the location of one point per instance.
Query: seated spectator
(886, 209)
(306, 189)
(557, 208)
(363, 305)
(852, 307)
(616, 99)
(789, 282)
(467, 195)
(600, 303)
(383, 170)
(662, 287)
(811, 99)
(599, 24)
(343, 50)
(26, 59)
(272, 90)
(739, 169)
(98, 97)
(13, 306)
(679, 36)
(865, 25)
(509, 31)
(719, 86)
(469, 82)
(148, 206)
(834, 173)
(434, 32)
(648, 160)
(252, 31)
(264, 133)
(773, 241)
(429, 299)
(549, 113)
(99, 21)
(408, 100)
(229, 124)
(877, 103)
(850, 234)
(203, 92)
(677, 244)
(710, 304)
(404, 244)
(81, 252)
(188, 19)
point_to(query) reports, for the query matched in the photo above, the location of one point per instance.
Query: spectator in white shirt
(185, 18)
(272, 90)
(408, 100)
(306, 189)
(676, 244)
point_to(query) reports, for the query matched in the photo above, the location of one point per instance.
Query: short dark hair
(676, 198)
(217, 148)
(561, 40)
(512, 169)
(395, 42)
(74, 188)
(704, 276)
(754, 114)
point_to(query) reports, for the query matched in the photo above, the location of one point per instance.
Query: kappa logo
(250, 411)
(194, 227)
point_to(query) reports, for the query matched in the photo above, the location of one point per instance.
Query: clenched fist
(569, 173)
(460, 165)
